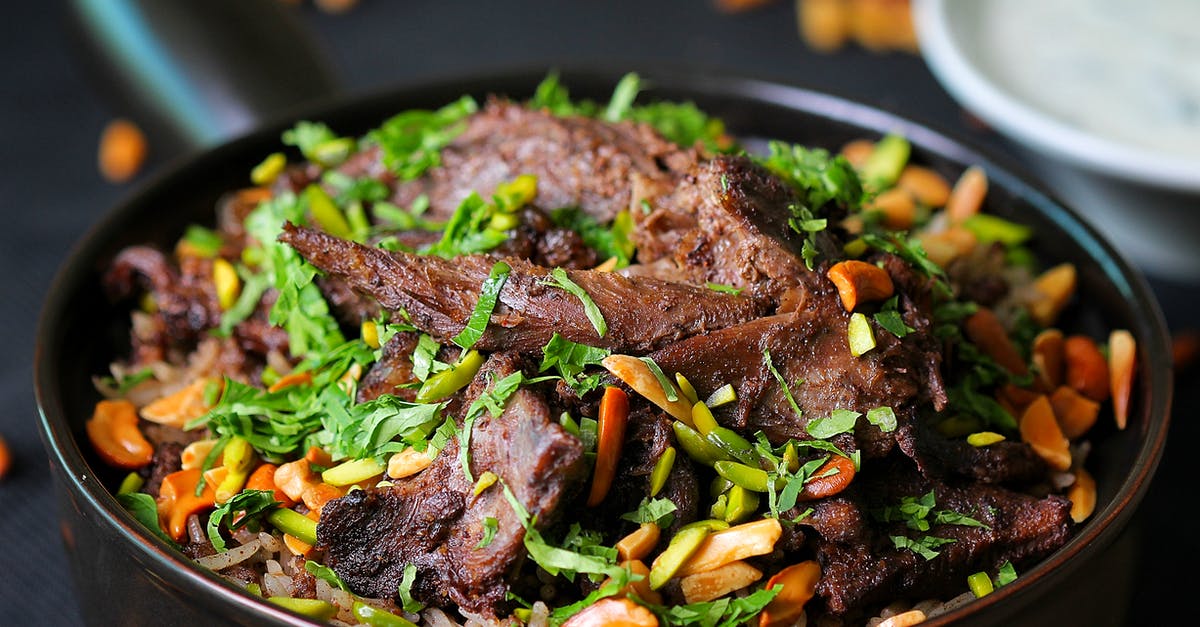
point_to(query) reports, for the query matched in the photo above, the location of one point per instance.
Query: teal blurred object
(194, 74)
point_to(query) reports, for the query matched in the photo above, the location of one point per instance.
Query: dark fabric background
(51, 191)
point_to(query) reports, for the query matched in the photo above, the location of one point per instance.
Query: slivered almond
(904, 619)
(1048, 358)
(1122, 360)
(1075, 412)
(1086, 367)
(407, 463)
(1082, 495)
(1040, 430)
(178, 408)
(858, 151)
(730, 545)
(613, 612)
(897, 206)
(986, 331)
(716, 583)
(1052, 292)
(799, 583)
(636, 374)
(928, 187)
(966, 197)
(638, 544)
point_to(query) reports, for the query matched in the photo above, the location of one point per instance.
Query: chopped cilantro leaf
(325, 573)
(839, 421)
(490, 525)
(559, 277)
(570, 359)
(246, 508)
(657, 511)
(489, 293)
(787, 391)
(405, 590)
(724, 289)
(412, 141)
(145, 510)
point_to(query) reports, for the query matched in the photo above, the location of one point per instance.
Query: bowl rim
(1104, 527)
(941, 47)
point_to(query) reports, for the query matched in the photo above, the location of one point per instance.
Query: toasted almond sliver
(178, 408)
(636, 374)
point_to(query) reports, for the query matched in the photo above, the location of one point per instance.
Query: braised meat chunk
(436, 521)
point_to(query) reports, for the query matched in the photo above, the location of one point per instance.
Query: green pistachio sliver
(748, 477)
(712, 524)
(859, 335)
(723, 395)
(662, 470)
(443, 384)
(696, 446)
(740, 504)
(353, 471)
(719, 485)
(703, 418)
(686, 389)
(376, 617)
(884, 164)
(326, 213)
(294, 524)
(682, 546)
(131, 483)
(980, 584)
(718, 507)
(732, 444)
(268, 169)
(312, 608)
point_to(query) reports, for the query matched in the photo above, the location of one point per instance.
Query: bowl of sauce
(1103, 99)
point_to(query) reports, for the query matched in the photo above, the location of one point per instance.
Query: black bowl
(125, 575)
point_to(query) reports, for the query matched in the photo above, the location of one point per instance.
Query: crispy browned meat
(579, 162)
(439, 295)
(808, 348)
(434, 521)
(726, 222)
(860, 564)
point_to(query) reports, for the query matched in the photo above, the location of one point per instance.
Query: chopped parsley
(570, 359)
(412, 141)
(559, 560)
(489, 293)
(787, 391)
(407, 602)
(325, 573)
(653, 510)
(245, 509)
(559, 278)
(490, 526)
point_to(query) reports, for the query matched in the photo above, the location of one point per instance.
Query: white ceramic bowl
(1146, 200)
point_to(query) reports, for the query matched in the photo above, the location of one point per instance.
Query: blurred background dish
(1101, 97)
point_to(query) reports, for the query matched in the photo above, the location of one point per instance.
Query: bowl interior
(81, 333)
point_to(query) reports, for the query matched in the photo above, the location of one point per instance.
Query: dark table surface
(51, 191)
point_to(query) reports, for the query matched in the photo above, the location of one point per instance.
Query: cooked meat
(165, 461)
(393, 370)
(434, 521)
(184, 296)
(726, 222)
(579, 162)
(860, 565)
(439, 295)
(808, 348)
(1004, 463)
